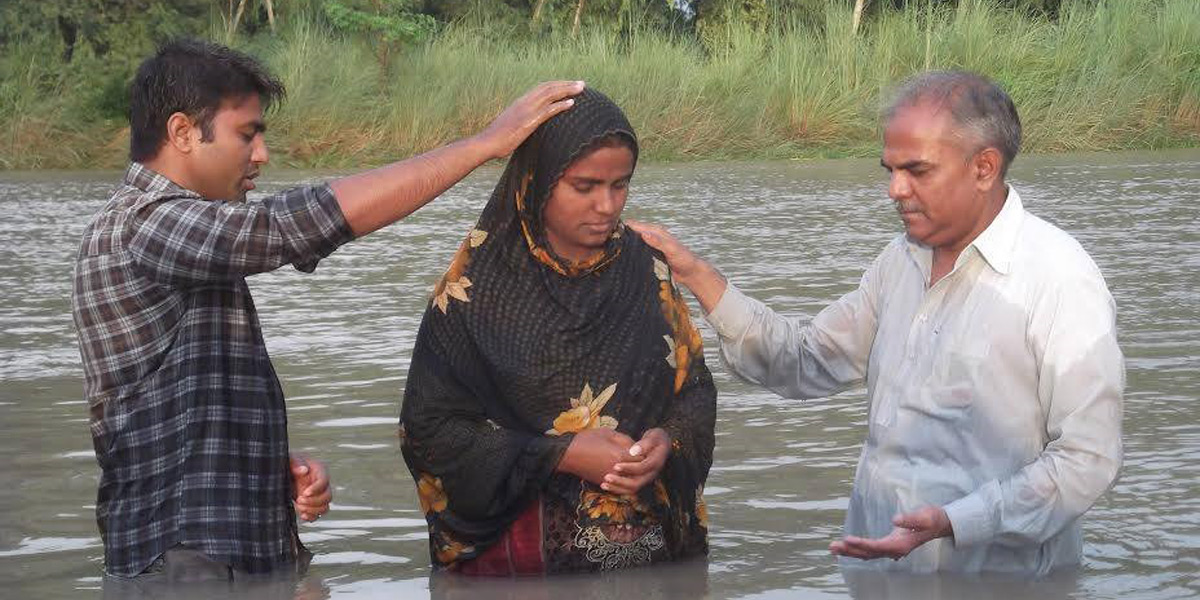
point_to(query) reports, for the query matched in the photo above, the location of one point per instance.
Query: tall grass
(1105, 75)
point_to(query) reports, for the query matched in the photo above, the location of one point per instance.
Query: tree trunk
(578, 14)
(231, 24)
(70, 34)
(537, 11)
(859, 5)
(270, 14)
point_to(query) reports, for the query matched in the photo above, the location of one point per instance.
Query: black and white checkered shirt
(188, 416)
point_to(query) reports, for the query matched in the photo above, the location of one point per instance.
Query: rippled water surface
(796, 235)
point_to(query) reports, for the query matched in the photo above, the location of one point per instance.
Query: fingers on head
(557, 89)
(559, 106)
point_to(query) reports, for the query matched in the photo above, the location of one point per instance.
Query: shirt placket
(919, 337)
(924, 329)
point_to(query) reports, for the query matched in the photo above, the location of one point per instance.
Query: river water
(796, 235)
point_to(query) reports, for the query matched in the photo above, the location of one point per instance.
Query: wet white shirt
(996, 393)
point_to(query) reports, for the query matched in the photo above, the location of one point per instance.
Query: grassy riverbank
(1108, 75)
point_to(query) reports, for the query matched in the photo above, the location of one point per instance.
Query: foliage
(390, 24)
(1103, 74)
(389, 21)
(107, 28)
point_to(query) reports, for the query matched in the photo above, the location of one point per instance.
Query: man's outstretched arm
(789, 357)
(382, 196)
(184, 238)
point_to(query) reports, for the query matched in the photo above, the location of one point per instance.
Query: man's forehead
(243, 109)
(927, 118)
(920, 132)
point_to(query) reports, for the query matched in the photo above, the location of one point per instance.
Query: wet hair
(192, 77)
(978, 107)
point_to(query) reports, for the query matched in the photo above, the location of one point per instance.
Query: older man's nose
(899, 187)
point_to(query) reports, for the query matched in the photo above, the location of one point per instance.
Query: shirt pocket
(958, 376)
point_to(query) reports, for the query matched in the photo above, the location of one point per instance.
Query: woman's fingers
(619, 490)
(635, 469)
(624, 486)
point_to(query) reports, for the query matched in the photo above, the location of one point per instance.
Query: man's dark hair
(192, 77)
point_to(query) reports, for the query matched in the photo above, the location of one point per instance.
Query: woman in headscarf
(558, 416)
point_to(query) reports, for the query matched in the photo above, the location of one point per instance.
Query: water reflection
(866, 584)
(688, 579)
(267, 588)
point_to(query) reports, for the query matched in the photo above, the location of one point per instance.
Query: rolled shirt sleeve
(182, 238)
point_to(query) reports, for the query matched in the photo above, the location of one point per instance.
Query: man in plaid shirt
(188, 417)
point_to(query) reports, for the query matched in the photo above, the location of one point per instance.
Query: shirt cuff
(971, 519)
(733, 314)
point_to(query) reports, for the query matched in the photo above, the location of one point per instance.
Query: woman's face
(586, 203)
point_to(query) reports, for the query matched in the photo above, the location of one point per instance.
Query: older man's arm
(783, 354)
(789, 357)
(1081, 383)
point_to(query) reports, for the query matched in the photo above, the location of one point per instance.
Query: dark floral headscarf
(520, 349)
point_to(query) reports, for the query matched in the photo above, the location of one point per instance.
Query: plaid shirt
(188, 416)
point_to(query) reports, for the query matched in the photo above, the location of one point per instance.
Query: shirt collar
(996, 244)
(148, 180)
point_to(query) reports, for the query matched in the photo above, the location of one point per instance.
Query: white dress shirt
(996, 393)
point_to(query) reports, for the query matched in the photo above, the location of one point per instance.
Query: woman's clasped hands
(615, 461)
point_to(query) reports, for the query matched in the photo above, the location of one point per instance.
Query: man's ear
(182, 133)
(986, 167)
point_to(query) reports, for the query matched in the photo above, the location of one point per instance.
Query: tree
(121, 27)
(231, 15)
(859, 5)
(392, 23)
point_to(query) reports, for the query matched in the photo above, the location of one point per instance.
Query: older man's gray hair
(983, 111)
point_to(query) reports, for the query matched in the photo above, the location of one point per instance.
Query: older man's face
(934, 180)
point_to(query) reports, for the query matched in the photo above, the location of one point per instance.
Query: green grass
(1109, 75)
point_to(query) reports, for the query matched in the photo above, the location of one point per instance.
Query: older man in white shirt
(987, 340)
